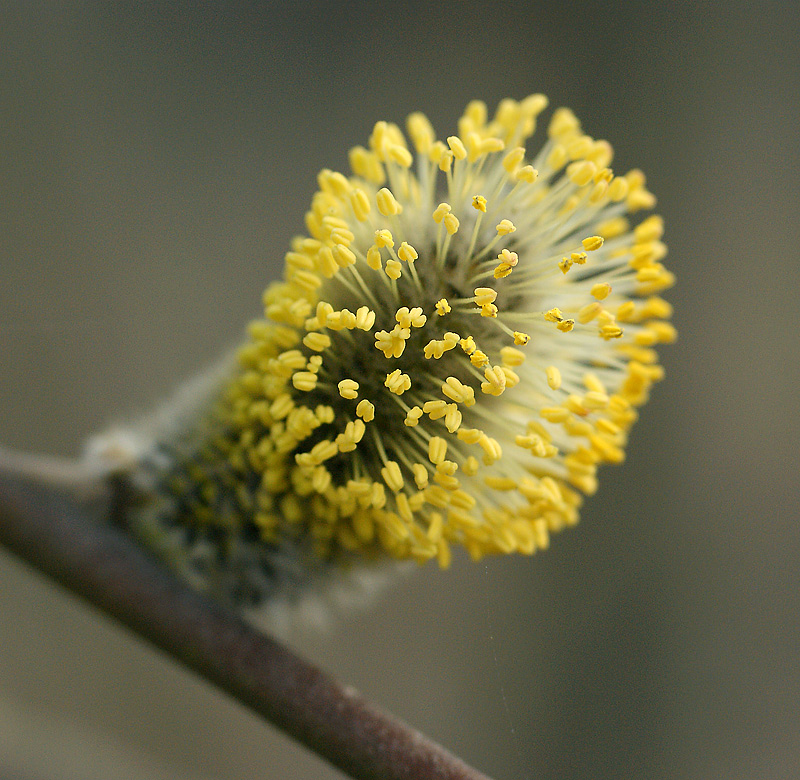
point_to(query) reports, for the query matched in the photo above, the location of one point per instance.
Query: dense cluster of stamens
(456, 346)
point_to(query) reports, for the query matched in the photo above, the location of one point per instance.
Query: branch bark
(58, 537)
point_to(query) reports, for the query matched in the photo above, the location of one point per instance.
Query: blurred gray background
(155, 160)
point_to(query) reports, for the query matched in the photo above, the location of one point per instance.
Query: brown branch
(57, 536)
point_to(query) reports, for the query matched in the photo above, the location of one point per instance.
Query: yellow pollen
(565, 326)
(488, 310)
(479, 203)
(565, 264)
(520, 338)
(478, 358)
(442, 307)
(348, 389)
(468, 345)
(553, 315)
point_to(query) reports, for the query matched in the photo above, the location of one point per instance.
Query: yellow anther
(456, 391)
(479, 358)
(400, 155)
(374, 258)
(520, 338)
(457, 147)
(555, 414)
(504, 227)
(317, 341)
(495, 382)
(553, 377)
(420, 475)
(468, 345)
(492, 452)
(512, 357)
(392, 476)
(500, 483)
(650, 229)
(452, 418)
(393, 269)
(488, 310)
(442, 307)
(579, 257)
(304, 381)
(527, 174)
(470, 435)
(397, 382)
(340, 235)
(392, 343)
(348, 388)
(479, 203)
(589, 312)
(470, 466)
(508, 258)
(451, 223)
(441, 211)
(565, 326)
(581, 173)
(592, 243)
(485, 295)
(617, 190)
(565, 264)
(421, 132)
(513, 159)
(413, 416)
(601, 290)
(366, 164)
(384, 238)
(407, 253)
(387, 203)
(446, 161)
(359, 202)
(610, 332)
(595, 400)
(366, 410)
(322, 451)
(437, 449)
(448, 467)
(553, 315)
(365, 318)
(502, 271)
(314, 363)
(351, 436)
(408, 318)
(343, 256)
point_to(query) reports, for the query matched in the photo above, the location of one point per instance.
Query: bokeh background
(156, 158)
